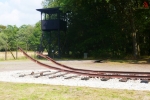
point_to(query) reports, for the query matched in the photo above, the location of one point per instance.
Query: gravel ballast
(13, 76)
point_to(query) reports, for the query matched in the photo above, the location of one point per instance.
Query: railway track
(124, 76)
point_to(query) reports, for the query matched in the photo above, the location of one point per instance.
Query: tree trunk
(134, 36)
(135, 45)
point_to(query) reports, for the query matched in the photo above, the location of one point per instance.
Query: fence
(15, 55)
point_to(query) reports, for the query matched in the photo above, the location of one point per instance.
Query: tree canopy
(112, 28)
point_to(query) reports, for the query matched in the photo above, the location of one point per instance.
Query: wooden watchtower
(52, 19)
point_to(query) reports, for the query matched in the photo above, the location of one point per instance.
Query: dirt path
(86, 64)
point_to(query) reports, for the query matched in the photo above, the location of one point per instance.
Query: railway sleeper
(41, 74)
(58, 75)
(123, 80)
(23, 75)
(85, 78)
(105, 78)
(54, 72)
(62, 75)
(45, 73)
(32, 73)
(71, 77)
(144, 81)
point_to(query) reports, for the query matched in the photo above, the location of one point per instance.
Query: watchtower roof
(49, 10)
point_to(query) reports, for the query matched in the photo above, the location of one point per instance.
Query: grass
(21, 91)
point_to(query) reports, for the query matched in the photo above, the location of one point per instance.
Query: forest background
(100, 28)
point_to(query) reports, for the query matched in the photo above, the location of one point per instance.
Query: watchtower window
(53, 19)
(53, 16)
(45, 16)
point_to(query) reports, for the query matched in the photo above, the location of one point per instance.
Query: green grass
(20, 91)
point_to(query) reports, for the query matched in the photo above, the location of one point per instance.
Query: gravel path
(11, 70)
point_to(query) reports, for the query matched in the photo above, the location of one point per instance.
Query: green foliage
(3, 41)
(26, 36)
(34, 39)
(2, 27)
(109, 28)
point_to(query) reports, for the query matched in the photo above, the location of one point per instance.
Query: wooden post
(26, 47)
(10, 51)
(5, 53)
(17, 51)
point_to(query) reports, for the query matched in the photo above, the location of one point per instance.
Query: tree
(130, 13)
(10, 31)
(34, 39)
(2, 27)
(23, 35)
(105, 27)
(3, 41)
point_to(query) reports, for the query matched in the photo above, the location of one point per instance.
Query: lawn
(21, 91)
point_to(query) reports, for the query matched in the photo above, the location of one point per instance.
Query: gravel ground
(11, 70)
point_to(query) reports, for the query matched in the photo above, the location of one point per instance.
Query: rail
(90, 73)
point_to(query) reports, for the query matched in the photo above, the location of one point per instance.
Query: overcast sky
(19, 12)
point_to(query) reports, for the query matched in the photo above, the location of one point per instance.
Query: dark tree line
(106, 28)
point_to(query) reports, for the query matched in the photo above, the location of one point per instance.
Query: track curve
(90, 73)
(94, 71)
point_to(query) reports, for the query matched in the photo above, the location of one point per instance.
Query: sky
(19, 12)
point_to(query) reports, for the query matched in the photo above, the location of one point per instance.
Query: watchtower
(52, 19)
